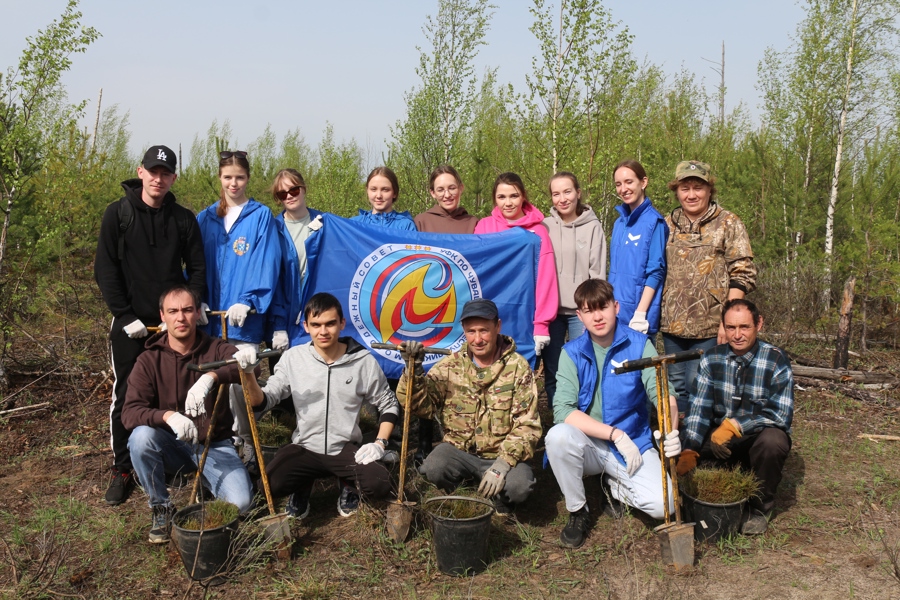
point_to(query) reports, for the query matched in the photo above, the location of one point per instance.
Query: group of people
(684, 275)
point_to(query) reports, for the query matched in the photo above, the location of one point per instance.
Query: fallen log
(876, 437)
(23, 410)
(843, 375)
(849, 390)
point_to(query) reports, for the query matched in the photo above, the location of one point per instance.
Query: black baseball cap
(160, 156)
(481, 308)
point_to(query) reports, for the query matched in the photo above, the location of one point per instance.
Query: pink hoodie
(546, 293)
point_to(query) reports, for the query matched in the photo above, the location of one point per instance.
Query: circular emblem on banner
(409, 292)
(241, 246)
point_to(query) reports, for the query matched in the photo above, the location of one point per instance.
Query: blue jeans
(682, 375)
(559, 327)
(156, 452)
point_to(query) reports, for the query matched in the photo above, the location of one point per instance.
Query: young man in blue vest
(602, 422)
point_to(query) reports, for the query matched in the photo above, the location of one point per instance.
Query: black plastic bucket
(713, 521)
(460, 545)
(215, 545)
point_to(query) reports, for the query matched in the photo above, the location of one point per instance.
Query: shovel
(277, 526)
(399, 512)
(676, 539)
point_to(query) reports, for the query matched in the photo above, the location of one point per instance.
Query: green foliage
(720, 486)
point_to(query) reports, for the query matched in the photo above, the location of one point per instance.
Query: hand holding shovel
(399, 513)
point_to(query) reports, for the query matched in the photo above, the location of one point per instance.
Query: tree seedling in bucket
(399, 513)
(676, 539)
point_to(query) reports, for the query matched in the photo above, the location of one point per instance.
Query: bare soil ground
(836, 533)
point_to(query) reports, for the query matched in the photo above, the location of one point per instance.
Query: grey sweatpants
(447, 467)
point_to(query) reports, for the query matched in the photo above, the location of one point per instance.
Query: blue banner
(403, 285)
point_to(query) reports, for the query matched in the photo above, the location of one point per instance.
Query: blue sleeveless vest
(629, 253)
(624, 396)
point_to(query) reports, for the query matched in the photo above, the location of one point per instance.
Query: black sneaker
(298, 505)
(161, 524)
(348, 502)
(576, 530)
(502, 507)
(120, 487)
(756, 522)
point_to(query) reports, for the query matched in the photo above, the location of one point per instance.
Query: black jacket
(154, 257)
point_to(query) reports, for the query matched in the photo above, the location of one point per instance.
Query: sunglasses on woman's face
(226, 154)
(290, 192)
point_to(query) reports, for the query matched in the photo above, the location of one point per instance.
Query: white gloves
(631, 452)
(540, 342)
(195, 404)
(184, 428)
(672, 445)
(639, 322)
(246, 357)
(280, 340)
(237, 314)
(494, 478)
(315, 225)
(136, 329)
(163, 326)
(204, 318)
(369, 453)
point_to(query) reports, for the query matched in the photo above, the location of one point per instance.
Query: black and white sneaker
(161, 524)
(297, 505)
(348, 502)
(576, 530)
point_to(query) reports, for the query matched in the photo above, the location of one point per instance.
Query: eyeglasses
(283, 195)
(452, 189)
(226, 154)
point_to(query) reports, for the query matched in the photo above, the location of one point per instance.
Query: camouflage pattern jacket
(489, 412)
(705, 259)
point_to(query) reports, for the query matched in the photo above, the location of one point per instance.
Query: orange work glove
(687, 460)
(720, 438)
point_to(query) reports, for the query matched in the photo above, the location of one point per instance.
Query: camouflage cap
(692, 168)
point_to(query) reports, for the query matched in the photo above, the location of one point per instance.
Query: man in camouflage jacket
(485, 398)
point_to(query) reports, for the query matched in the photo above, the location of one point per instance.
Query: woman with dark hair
(382, 188)
(579, 250)
(512, 209)
(446, 216)
(637, 266)
(296, 224)
(709, 261)
(243, 261)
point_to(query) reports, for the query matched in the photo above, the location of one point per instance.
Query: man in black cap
(486, 400)
(148, 243)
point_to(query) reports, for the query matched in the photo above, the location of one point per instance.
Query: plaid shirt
(756, 389)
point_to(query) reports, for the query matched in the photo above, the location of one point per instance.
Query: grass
(720, 486)
(273, 431)
(214, 514)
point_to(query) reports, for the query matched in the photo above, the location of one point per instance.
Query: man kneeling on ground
(602, 422)
(742, 405)
(168, 408)
(485, 399)
(328, 380)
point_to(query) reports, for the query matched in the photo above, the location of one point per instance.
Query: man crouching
(168, 407)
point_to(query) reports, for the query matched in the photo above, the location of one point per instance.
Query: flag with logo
(404, 285)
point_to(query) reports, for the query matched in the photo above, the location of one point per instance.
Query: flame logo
(412, 293)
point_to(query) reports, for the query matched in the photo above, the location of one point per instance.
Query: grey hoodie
(580, 251)
(328, 398)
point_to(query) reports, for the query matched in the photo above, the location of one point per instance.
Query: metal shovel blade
(399, 518)
(278, 534)
(676, 542)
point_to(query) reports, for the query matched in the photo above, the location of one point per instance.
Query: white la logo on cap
(161, 155)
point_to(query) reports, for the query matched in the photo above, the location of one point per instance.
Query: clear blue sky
(177, 66)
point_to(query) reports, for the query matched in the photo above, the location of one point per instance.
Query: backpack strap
(126, 218)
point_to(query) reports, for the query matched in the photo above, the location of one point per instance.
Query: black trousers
(124, 352)
(763, 453)
(295, 469)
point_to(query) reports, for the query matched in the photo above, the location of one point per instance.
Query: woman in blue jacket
(637, 266)
(243, 258)
(382, 189)
(296, 223)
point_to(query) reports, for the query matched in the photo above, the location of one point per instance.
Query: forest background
(815, 178)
